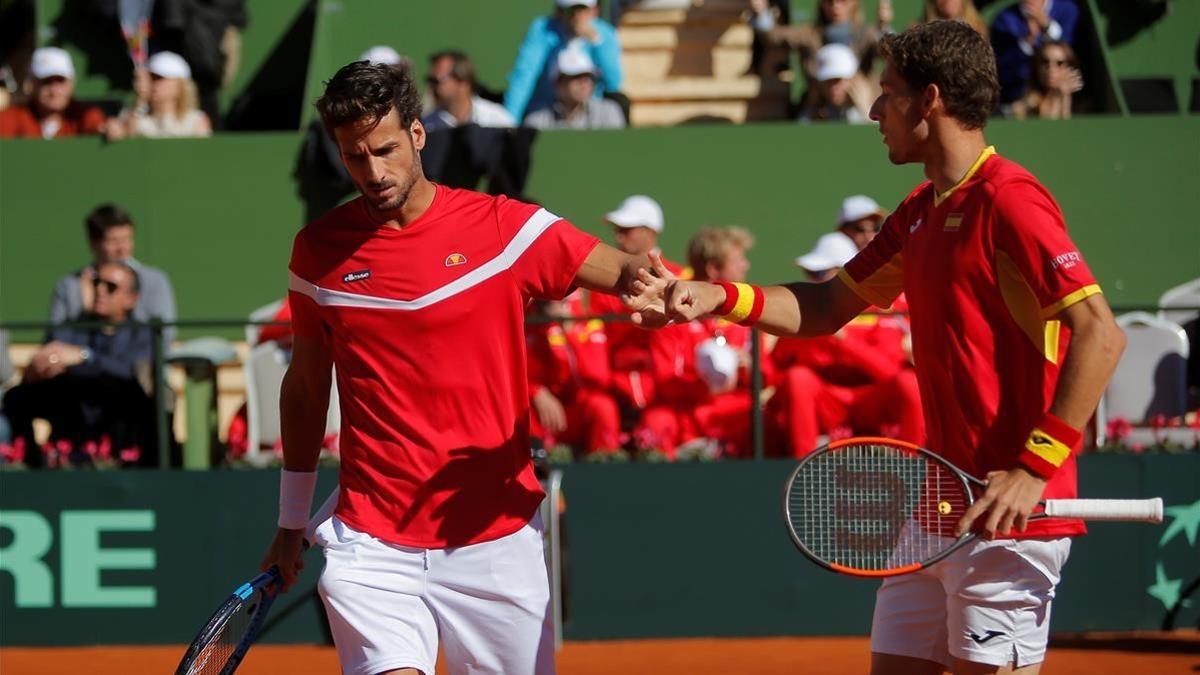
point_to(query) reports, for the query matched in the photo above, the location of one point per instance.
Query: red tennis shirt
(426, 327)
(986, 267)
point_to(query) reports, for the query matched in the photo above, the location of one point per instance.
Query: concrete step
(635, 38)
(670, 113)
(655, 65)
(705, 89)
(702, 15)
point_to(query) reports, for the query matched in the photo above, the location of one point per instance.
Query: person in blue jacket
(1018, 30)
(575, 23)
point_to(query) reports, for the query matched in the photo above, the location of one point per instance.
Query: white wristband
(295, 498)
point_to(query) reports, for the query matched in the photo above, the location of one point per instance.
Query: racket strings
(216, 652)
(875, 507)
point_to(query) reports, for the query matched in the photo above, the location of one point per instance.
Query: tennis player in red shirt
(416, 293)
(1012, 341)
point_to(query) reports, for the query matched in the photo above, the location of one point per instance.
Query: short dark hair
(462, 69)
(370, 91)
(953, 56)
(135, 282)
(104, 217)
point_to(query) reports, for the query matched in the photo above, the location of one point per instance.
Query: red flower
(1118, 429)
(130, 455)
(838, 433)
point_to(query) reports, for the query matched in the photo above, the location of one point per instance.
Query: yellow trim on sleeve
(1070, 299)
(862, 291)
(983, 156)
(744, 305)
(1047, 447)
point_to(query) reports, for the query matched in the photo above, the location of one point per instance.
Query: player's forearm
(801, 309)
(608, 270)
(302, 411)
(1096, 346)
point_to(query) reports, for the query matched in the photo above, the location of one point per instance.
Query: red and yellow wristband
(743, 303)
(1049, 445)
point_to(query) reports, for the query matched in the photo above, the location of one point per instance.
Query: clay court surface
(1144, 655)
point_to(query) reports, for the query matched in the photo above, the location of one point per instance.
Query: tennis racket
(222, 643)
(877, 507)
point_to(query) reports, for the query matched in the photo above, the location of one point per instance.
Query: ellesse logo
(357, 276)
(455, 259)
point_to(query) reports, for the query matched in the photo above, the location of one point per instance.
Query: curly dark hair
(364, 90)
(953, 56)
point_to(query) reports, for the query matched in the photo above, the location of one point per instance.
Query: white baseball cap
(832, 250)
(717, 363)
(572, 62)
(575, 3)
(637, 211)
(858, 207)
(382, 54)
(51, 62)
(836, 62)
(170, 65)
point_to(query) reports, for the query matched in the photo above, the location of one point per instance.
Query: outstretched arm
(798, 309)
(608, 270)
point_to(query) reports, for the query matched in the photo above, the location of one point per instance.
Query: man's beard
(403, 189)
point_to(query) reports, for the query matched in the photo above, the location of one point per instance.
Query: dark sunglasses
(1057, 62)
(110, 286)
(435, 81)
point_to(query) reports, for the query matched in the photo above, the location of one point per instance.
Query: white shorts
(388, 604)
(988, 602)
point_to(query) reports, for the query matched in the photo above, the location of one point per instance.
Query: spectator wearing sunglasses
(1055, 79)
(110, 234)
(451, 85)
(1019, 30)
(85, 380)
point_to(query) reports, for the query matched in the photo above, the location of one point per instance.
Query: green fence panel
(653, 551)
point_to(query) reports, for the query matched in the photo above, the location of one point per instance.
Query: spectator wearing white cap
(167, 103)
(451, 83)
(637, 223)
(831, 252)
(574, 24)
(860, 219)
(575, 105)
(840, 91)
(52, 111)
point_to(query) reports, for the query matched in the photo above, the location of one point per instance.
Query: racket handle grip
(1132, 510)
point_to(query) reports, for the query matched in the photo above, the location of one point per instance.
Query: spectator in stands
(637, 224)
(1056, 78)
(837, 22)
(841, 92)
(52, 111)
(167, 104)
(1019, 30)
(451, 82)
(86, 381)
(955, 10)
(575, 105)
(858, 381)
(575, 24)
(859, 219)
(569, 380)
(701, 369)
(207, 33)
(110, 234)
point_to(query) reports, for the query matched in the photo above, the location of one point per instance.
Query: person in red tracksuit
(857, 381)
(569, 378)
(637, 224)
(686, 407)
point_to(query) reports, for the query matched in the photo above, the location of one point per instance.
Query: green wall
(219, 214)
(654, 551)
